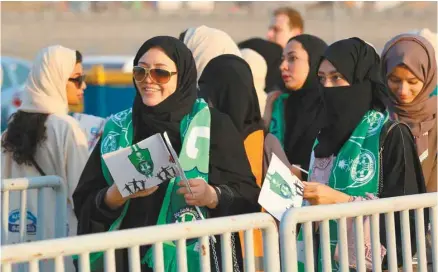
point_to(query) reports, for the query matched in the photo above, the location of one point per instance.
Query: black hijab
(227, 84)
(272, 54)
(167, 115)
(303, 107)
(345, 106)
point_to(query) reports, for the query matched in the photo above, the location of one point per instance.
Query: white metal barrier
(38, 183)
(133, 238)
(324, 213)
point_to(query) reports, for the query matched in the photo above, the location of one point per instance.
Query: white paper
(281, 189)
(141, 166)
(178, 165)
(92, 127)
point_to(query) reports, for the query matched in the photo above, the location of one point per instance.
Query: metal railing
(38, 183)
(34, 253)
(373, 208)
(156, 235)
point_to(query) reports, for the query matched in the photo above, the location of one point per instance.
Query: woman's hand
(203, 194)
(114, 200)
(319, 194)
(267, 115)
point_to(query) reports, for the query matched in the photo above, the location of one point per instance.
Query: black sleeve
(230, 170)
(272, 146)
(402, 175)
(92, 213)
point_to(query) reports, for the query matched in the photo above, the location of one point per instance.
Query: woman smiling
(221, 180)
(409, 66)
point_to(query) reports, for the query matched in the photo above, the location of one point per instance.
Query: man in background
(285, 23)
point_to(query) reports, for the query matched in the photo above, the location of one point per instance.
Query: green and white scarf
(277, 125)
(194, 158)
(356, 171)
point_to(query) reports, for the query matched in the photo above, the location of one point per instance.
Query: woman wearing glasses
(42, 139)
(221, 180)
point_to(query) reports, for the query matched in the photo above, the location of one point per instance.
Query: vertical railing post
(5, 215)
(249, 262)
(343, 244)
(375, 242)
(390, 241)
(325, 246)
(406, 240)
(61, 210)
(271, 260)
(288, 242)
(421, 239)
(204, 252)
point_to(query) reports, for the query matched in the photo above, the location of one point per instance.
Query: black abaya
(229, 170)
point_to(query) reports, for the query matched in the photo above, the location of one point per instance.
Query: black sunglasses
(78, 80)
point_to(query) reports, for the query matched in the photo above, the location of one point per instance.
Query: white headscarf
(207, 43)
(45, 90)
(259, 69)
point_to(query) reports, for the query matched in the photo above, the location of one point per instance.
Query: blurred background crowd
(109, 33)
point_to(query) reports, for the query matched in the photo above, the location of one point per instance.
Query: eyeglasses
(78, 80)
(157, 75)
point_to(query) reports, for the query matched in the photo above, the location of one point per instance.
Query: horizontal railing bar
(19, 184)
(352, 209)
(129, 238)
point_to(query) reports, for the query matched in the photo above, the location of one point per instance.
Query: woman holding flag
(359, 154)
(220, 178)
(295, 117)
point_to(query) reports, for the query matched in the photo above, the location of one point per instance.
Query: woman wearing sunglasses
(41, 138)
(221, 180)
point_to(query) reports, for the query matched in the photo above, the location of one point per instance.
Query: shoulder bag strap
(37, 167)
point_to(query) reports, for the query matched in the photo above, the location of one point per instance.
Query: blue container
(108, 99)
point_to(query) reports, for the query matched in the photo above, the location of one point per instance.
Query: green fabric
(435, 92)
(277, 125)
(194, 159)
(195, 162)
(356, 171)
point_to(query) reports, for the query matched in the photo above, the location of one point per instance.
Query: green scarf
(194, 158)
(277, 126)
(356, 171)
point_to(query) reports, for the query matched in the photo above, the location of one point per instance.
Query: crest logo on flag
(141, 166)
(142, 160)
(279, 186)
(281, 190)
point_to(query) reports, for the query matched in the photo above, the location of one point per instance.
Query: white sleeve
(76, 156)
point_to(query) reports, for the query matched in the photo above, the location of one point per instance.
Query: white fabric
(45, 90)
(63, 153)
(207, 43)
(259, 69)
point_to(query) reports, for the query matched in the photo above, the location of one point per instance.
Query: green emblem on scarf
(277, 126)
(278, 185)
(142, 160)
(194, 159)
(355, 170)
